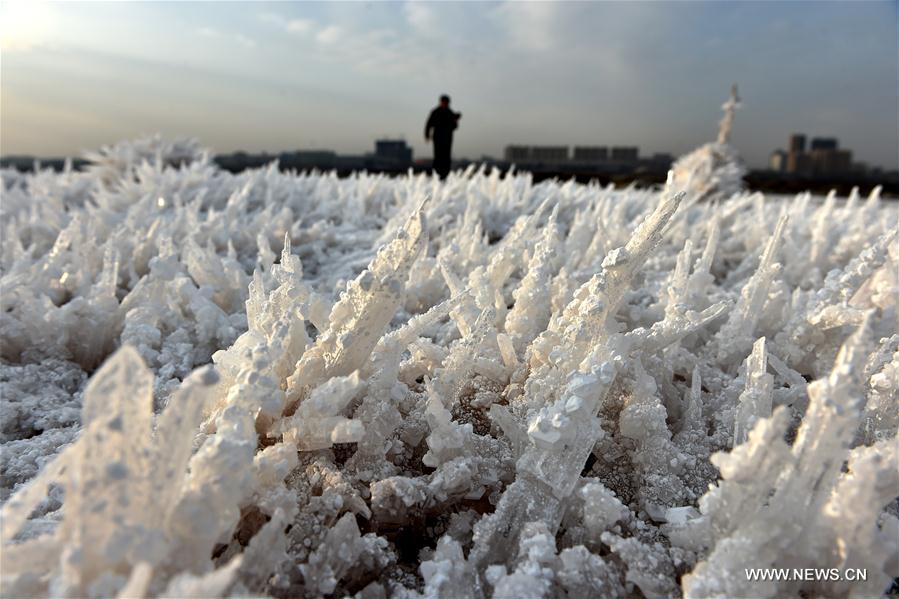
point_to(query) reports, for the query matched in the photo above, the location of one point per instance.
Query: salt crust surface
(299, 385)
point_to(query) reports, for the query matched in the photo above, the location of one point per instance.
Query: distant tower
(729, 108)
(797, 143)
(797, 160)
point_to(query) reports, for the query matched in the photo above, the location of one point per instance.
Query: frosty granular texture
(300, 385)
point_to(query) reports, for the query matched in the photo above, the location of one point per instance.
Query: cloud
(299, 25)
(212, 33)
(271, 18)
(293, 26)
(245, 41)
(421, 17)
(530, 25)
(329, 35)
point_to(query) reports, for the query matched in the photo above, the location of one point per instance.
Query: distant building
(518, 154)
(798, 162)
(830, 161)
(796, 159)
(778, 161)
(625, 154)
(590, 154)
(824, 143)
(549, 154)
(307, 159)
(536, 154)
(797, 143)
(352, 163)
(824, 158)
(394, 150)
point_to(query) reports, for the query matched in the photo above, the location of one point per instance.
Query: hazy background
(285, 76)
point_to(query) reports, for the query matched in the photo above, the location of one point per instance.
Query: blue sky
(281, 75)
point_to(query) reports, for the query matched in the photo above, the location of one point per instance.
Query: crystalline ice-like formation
(447, 574)
(532, 309)
(585, 574)
(318, 423)
(881, 419)
(736, 334)
(601, 508)
(656, 459)
(342, 550)
(282, 384)
(535, 571)
(648, 567)
(713, 170)
(363, 312)
(755, 401)
(564, 432)
(770, 488)
(133, 520)
(448, 439)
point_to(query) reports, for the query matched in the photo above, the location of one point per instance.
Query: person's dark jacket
(441, 124)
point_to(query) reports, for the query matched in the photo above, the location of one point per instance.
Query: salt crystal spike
(334, 354)
(734, 337)
(532, 311)
(662, 334)
(502, 262)
(708, 254)
(843, 284)
(175, 430)
(871, 481)
(507, 351)
(677, 286)
(842, 384)
(727, 122)
(648, 235)
(692, 419)
(755, 401)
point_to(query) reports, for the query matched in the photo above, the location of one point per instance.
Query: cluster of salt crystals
(525, 390)
(714, 170)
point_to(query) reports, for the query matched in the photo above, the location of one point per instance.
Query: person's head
(444, 101)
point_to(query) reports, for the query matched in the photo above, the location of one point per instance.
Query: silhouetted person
(440, 128)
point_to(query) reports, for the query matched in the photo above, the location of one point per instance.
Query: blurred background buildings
(818, 164)
(822, 158)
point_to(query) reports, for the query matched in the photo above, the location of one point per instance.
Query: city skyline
(279, 77)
